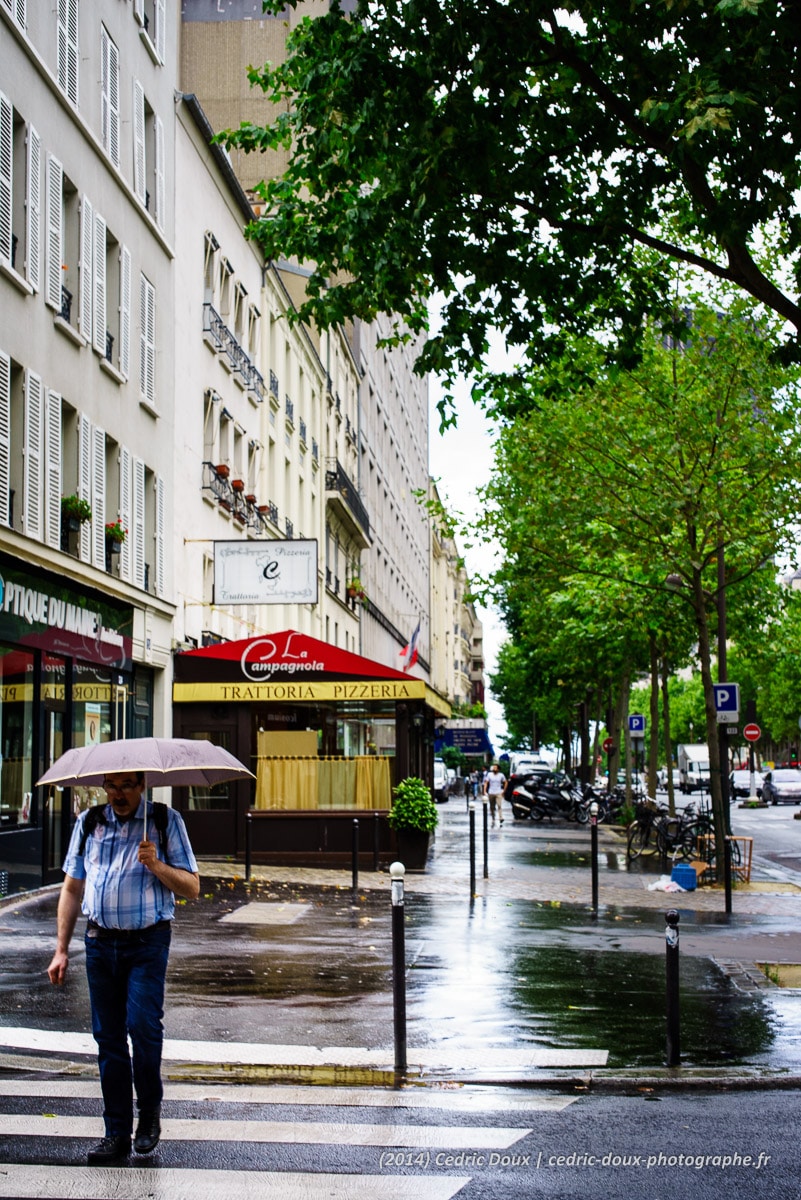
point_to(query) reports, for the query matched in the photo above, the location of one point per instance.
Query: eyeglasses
(130, 785)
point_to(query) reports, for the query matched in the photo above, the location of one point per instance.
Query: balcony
(223, 342)
(342, 496)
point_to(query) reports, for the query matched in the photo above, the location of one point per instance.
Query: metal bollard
(727, 872)
(397, 872)
(248, 825)
(485, 809)
(376, 842)
(354, 856)
(594, 853)
(673, 1041)
(472, 810)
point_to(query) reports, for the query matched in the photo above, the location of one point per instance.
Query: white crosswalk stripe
(143, 1183)
(210, 1152)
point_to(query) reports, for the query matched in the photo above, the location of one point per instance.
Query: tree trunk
(704, 655)
(667, 738)
(653, 744)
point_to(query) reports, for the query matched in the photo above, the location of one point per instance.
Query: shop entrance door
(55, 811)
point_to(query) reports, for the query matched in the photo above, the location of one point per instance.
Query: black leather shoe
(109, 1150)
(148, 1132)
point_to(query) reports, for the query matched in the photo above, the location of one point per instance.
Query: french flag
(409, 651)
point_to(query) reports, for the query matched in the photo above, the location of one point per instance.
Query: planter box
(320, 837)
(413, 847)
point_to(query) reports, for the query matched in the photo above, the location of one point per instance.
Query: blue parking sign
(727, 697)
(636, 724)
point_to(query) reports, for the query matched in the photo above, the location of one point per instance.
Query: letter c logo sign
(253, 654)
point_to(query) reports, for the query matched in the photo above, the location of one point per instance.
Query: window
(151, 16)
(110, 96)
(62, 243)
(20, 194)
(92, 487)
(68, 53)
(147, 341)
(30, 453)
(149, 177)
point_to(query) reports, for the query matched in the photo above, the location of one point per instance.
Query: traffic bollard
(354, 855)
(485, 811)
(397, 872)
(727, 872)
(472, 810)
(673, 1041)
(376, 840)
(594, 853)
(248, 824)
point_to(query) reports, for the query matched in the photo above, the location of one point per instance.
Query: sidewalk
(289, 977)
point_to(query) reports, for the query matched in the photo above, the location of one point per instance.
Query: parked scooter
(550, 796)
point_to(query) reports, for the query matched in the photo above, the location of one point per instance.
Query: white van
(440, 781)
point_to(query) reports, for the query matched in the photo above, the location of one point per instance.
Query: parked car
(440, 781)
(783, 784)
(740, 782)
(525, 768)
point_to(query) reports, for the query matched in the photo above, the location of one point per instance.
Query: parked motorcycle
(551, 796)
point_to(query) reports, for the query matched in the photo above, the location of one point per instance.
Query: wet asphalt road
(493, 974)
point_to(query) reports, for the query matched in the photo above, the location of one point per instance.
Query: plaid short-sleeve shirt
(120, 892)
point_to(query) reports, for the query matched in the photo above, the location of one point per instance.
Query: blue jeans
(126, 988)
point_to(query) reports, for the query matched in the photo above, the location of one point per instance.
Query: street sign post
(752, 732)
(608, 745)
(636, 725)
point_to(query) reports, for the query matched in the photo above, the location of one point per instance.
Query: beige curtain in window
(323, 783)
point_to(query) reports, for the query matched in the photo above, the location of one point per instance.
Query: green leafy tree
(650, 476)
(519, 159)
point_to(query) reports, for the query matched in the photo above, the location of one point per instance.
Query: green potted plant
(414, 818)
(75, 511)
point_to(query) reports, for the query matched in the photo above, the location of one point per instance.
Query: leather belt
(100, 931)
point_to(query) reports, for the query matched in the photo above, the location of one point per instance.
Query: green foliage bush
(412, 807)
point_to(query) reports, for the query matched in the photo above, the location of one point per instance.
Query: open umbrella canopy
(166, 762)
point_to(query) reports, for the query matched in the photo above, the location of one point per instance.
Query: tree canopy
(542, 168)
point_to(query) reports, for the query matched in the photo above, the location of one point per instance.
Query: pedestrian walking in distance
(125, 885)
(494, 784)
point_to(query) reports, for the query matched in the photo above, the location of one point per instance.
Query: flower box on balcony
(251, 498)
(222, 470)
(238, 485)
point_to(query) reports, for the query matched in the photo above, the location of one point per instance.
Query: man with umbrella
(125, 884)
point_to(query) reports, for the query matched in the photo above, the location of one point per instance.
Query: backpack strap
(96, 815)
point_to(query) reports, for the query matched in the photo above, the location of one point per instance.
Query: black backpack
(97, 816)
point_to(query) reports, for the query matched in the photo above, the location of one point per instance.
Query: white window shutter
(126, 557)
(32, 456)
(138, 523)
(99, 497)
(52, 470)
(139, 11)
(54, 242)
(5, 435)
(161, 28)
(6, 175)
(125, 311)
(139, 181)
(158, 537)
(68, 54)
(114, 105)
(105, 89)
(85, 267)
(33, 215)
(17, 10)
(147, 340)
(99, 276)
(85, 481)
(158, 131)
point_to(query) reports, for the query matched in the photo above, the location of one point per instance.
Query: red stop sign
(752, 733)
(608, 744)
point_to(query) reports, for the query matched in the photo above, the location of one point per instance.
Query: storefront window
(16, 732)
(216, 796)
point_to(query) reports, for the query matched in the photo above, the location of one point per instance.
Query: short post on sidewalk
(594, 853)
(485, 812)
(727, 872)
(397, 872)
(248, 834)
(472, 811)
(673, 1041)
(354, 854)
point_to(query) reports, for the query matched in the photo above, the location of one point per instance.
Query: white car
(440, 781)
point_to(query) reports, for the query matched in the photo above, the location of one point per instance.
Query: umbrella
(166, 762)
